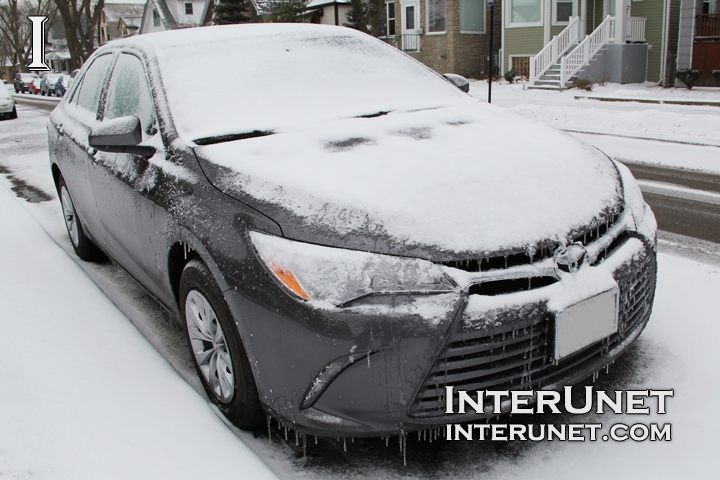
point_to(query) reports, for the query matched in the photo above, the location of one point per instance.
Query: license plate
(585, 323)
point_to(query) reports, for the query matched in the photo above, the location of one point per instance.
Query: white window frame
(387, 17)
(472, 32)
(508, 16)
(553, 18)
(427, 20)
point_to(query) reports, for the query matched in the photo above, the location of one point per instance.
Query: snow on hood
(466, 179)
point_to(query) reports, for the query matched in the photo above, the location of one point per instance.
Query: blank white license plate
(585, 323)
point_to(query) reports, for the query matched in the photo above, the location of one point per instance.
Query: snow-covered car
(348, 234)
(7, 104)
(22, 81)
(34, 86)
(47, 83)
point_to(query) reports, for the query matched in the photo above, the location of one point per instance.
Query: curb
(697, 103)
(47, 103)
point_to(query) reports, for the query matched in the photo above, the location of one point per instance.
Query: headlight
(335, 276)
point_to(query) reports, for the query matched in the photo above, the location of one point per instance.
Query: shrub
(716, 75)
(688, 77)
(510, 75)
(602, 79)
(583, 84)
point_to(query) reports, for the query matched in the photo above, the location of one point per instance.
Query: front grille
(520, 357)
(543, 250)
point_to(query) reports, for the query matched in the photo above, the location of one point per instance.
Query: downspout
(501, 52)
(337, 20)
(664, 42)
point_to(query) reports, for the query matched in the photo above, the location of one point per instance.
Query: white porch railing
(410, 42)
(571, 63)
(555, 49)
(635, 30)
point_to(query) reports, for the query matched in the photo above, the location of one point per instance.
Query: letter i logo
(37, 48)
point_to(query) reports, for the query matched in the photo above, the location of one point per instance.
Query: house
(449, 36)
(57, 55)
(553, 42)
(119, 20)
(329, 12)
(699, 39)
(161, 15)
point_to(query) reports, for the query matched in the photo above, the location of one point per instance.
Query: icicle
(344, 444)
(315, 439)
(387, 440)
(286, 429)
(368, 357)
(296, 438)
(404, 442)
(352, 440)
(305, 446)
(418, 435)
(400, 442)
(269, 421)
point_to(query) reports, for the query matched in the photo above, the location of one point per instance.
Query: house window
(410, 17)
(390, 13)
(156, 18)
(436, 16)
(188, 8)
(472, 16)
(562, 11)
(526, 11)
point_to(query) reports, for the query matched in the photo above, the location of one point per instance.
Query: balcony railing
(708, 26)
(408, 42)
(635, 29)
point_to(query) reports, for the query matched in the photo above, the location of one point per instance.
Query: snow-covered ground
(84, 395)
(684, 136)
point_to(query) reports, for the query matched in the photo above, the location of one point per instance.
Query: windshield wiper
(232, 137)
(373, 115)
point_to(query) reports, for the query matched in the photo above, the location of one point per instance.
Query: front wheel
(83, 246)
(217, 350)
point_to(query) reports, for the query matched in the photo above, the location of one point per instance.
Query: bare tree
(80, 17)
(15, 28)
(368, 16)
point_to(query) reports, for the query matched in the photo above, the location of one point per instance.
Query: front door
(411, 26)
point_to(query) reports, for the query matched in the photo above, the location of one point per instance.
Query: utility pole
(491, 4)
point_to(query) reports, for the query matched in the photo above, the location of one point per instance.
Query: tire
(218, 354)
(13, 114)
(83, 246)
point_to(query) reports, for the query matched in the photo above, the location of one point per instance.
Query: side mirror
(120, 135)
(458, 80)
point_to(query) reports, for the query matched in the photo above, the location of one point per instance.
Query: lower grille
(521, 358)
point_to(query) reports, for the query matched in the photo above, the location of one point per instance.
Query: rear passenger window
(92, 83)
(129, 93)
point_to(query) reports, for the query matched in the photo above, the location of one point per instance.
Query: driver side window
(129, 94)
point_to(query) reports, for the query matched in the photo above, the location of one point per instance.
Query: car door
(124, 184)
(69, 143)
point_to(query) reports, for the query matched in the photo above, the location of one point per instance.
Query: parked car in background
(7, 104)
(61, 86)
(47, 83)
(34, 86)
(22, 81)
(338, 261)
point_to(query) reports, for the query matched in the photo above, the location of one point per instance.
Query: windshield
(28, 77)
(288, 77)
(53, 77)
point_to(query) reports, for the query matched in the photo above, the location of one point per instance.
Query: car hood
(447, 183)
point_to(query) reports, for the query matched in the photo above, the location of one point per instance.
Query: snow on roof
(132, 21)
(115, 11)
(321, 3)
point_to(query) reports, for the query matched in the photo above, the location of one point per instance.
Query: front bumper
(403, 354)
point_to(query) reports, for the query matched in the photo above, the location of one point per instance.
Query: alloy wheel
(209, 346)
(69, 216)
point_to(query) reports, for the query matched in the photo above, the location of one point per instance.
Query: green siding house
(554, 42)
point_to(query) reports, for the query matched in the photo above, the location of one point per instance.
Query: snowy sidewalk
(82, 393)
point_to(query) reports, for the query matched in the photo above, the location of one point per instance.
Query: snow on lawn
(83, 394)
